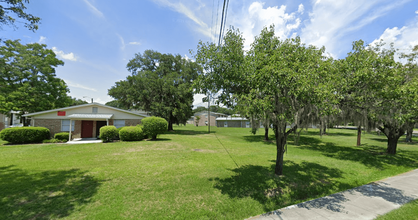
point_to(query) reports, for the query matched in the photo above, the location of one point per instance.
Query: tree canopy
(27, 78)
(159, 84)
(17, 8)
(281, 78)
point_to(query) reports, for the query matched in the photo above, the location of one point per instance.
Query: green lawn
(188, 174)
(406, 212)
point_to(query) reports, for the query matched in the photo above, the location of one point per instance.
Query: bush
(131, 133)
(63, 136)
(154, 126)
(53, 140)
(143, 130)
(24, 135)
(108, 133)
(117, 136)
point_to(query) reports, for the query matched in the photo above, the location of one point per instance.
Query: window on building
(65, 125)
(119, 123)
(95, 110)
(225, 124)
(247, 124)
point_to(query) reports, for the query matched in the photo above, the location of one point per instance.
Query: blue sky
(96, 38)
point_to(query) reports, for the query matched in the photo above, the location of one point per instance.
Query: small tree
(154, 126)
(197, 119)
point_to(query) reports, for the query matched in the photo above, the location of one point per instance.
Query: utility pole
(209, 113)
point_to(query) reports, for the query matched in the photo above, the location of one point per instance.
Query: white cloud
(42, 40)
(77, 85)
(416, 12)
(403, 38)
(62, 55)
(122, 42)
(186, 11)
(135, 43)
(93, 9)
(330, 21)
(301, 8)
(255, 17)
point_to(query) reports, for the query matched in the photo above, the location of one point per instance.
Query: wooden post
(69, 135)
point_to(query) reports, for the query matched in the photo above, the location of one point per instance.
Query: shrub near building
(108, 133)
(154, 126)
(25, 135)
(62, 136)
(131, 133)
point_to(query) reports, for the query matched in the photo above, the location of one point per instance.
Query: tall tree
(18, 8)
(293, 79)
(159, 84)
(27, 78)
(381, 89)
(285, 78)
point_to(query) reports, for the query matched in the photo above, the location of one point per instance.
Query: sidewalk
(84, 141)
(364, 202)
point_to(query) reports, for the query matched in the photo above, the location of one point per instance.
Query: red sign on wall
(61, 113)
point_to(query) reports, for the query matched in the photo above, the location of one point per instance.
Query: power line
(217, 18)
(222, 21)
(226, 14)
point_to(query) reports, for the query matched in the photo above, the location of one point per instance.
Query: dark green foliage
(117, 104)
(28, 81)
(143, 130)
(131, 133)
(62, 136)
(24, 135)
(53, 140)
(154, 126)
(108, 133)
(164, 90)
(18, 8)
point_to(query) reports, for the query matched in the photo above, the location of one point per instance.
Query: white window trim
(118, 125)
(72, 126)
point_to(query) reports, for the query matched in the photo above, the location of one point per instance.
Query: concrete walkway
(84, 141)
(364, 202)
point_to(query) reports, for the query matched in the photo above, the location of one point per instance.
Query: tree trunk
(358, 136)
(392, 144)
(280, 144)
(393, 134)
(324, 131)
(170, 126)
(170, 121)
(409, 132)
(266, 133)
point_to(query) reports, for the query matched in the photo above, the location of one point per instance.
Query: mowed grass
(408, 211)
(188, 174)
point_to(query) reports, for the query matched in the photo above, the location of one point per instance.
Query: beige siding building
(204, 119)
(84, 121)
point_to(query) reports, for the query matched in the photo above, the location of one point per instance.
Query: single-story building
(233, 122)
(13, 120)
(204, 119)
(85, 120)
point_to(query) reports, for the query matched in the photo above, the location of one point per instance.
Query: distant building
(233, 122)
(13, 120)
(204, 119)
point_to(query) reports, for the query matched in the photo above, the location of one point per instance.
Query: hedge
(24, 135)
(62, 136)
(108, 133)
(131, 133)
(154, 126)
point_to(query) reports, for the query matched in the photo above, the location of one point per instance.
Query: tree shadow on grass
(369, 155)
(44, 195)
(300, 182)
(259, 138)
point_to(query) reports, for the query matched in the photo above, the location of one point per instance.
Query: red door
(86, 129)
